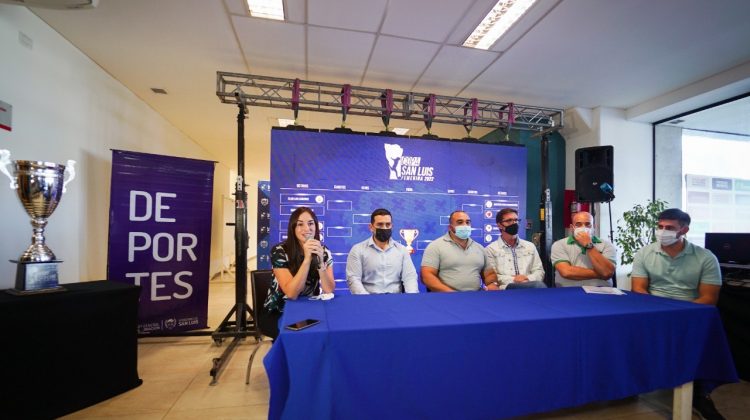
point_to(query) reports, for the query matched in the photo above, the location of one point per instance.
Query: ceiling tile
(453, 68)
(285, 57)
(295, 10)
(183, 59)
(359, 15)
(429, 20)
(533, 16)
(237, 7)
(591, 71)
(396, 62)
(337, 56)
(480, 10)
(470, 21)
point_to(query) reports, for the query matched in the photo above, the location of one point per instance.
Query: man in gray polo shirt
(454, 262)
(582, 259)
(673, 267)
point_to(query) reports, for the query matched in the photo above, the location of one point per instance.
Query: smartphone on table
(301, 325)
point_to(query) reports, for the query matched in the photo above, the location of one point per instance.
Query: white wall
(633, 166)
(66, 107)
(669, 171)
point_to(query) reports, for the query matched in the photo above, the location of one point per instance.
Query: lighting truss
(296, 95)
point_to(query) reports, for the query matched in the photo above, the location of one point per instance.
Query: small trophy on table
(409, 236)
(40, 186)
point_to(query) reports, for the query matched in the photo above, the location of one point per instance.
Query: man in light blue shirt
(379, 264)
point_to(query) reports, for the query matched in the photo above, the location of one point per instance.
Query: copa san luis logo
(406, 168)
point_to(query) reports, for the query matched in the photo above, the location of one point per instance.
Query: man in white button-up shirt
(379, 264)
(515, 261)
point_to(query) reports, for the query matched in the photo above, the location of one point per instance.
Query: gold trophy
(40, 186)
(409, 236)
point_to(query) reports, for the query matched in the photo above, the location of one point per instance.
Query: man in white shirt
(379, 264)
(515, 261)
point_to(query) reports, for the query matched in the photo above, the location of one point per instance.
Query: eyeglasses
(509, 221)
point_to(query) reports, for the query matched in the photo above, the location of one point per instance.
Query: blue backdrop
(344, 177)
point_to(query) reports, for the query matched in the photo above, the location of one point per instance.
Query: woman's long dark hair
(291, 245)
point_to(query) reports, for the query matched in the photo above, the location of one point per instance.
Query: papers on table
(603, 290)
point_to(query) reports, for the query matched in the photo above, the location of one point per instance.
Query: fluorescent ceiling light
(267, 9)
(497, 22)
(400, 131)
(283, 122)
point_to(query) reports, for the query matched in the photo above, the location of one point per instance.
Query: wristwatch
(589, 245)
(496, 283)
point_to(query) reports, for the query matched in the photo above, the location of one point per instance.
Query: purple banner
(160, 237)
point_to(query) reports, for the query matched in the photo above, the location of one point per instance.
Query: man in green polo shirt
(582, 259)
(673, 267)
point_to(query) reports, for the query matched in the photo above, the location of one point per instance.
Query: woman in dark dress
(302, 266)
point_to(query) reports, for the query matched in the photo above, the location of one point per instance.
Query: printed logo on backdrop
(406, 168)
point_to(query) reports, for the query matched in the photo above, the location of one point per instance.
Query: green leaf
(636, 228)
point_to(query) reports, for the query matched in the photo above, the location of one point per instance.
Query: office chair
(260, 281)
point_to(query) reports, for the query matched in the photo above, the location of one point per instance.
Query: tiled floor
(175, 373)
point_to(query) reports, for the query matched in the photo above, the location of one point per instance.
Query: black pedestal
(62, 352)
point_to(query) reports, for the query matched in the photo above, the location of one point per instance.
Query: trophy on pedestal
(409, 236)
(40, 186)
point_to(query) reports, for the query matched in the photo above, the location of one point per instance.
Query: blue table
(487, 354)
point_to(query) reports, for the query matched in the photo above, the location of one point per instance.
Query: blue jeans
(527, 285)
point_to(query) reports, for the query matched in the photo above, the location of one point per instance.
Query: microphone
(607, 189)
(314, 262)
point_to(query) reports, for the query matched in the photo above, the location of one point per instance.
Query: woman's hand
(313, 247)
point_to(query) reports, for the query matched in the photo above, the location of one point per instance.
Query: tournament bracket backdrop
(344, 177)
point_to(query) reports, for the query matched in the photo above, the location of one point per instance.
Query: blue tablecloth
(487, 354)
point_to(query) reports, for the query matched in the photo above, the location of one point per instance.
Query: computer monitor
(729, 247)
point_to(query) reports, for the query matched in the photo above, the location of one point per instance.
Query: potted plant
(637, 229)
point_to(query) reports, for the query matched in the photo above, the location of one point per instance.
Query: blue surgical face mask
(463, 232)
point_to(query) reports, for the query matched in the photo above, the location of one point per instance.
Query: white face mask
(578, 230)
(666, 237)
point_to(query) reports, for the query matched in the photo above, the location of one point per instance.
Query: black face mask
(383, 235)
(512, 229)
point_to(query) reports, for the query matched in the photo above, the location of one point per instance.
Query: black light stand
(607, 189)
(238, 329)
(545, 216)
